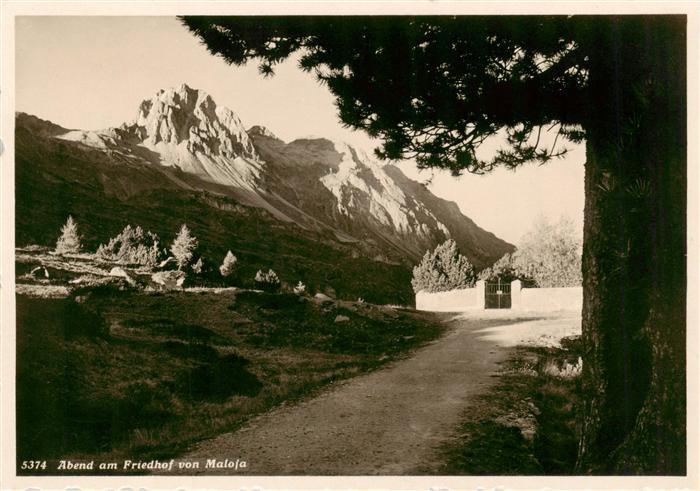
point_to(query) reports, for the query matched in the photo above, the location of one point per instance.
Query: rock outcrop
(168, 280)
(192, 118)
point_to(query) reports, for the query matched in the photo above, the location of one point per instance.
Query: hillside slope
(314, 210)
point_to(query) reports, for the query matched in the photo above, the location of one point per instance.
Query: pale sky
(92, 73)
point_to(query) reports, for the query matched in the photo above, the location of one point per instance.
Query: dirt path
(389, 422)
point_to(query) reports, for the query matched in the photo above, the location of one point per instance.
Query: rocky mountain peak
(190, 117)
(258, 130)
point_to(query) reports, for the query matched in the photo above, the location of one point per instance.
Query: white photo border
(11, 9)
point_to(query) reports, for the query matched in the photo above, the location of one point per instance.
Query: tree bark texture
(633, 420)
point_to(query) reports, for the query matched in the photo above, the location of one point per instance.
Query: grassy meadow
(109, 373)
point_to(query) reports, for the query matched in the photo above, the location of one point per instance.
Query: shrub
(504, 269)
(268, 281)
(227, 267)
(183, 246)
(300, 288)
(131, 246)
(69, 241)
(443, 269)
(198, 266)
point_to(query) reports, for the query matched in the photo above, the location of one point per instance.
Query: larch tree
(183, 247)
(69, 241)
(435, 88)
(228, 265)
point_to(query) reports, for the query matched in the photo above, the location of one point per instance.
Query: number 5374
(33, 464)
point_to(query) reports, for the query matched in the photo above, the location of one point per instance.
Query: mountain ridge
(317, 184)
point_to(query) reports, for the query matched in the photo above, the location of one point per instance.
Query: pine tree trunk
(634, 266)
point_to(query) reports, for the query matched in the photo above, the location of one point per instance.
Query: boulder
(169, 280)
(117, 271)
(341, 318)
(320, 297)
(121, 273)
(168, 263)
(40, 272)
(89, 280)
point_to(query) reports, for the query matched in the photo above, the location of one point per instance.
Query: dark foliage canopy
(432, 88)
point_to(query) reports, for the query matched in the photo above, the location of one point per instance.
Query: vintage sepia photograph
(350, 243)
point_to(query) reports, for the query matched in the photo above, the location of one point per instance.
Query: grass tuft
(526, 425)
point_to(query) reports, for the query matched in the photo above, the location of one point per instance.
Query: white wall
(452, 301)
(539, 299)
(548, 299)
